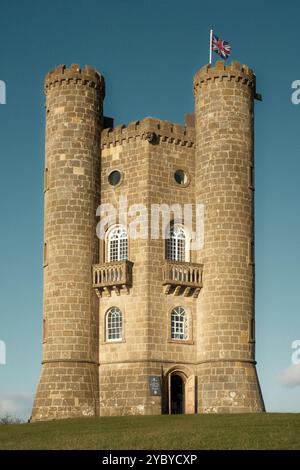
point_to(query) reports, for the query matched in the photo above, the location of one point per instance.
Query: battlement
(149, 129)
(62, 74)
(233, 72)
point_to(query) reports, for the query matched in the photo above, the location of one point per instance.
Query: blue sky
(148, 53)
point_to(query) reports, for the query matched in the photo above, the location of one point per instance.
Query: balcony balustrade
(182, 278)
(113, 276)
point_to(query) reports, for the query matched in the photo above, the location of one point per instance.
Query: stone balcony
(182, 278)
(113, 276)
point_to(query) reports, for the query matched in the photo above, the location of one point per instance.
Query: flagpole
(210, 46)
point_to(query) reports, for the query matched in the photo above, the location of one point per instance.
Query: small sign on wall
(155, 385)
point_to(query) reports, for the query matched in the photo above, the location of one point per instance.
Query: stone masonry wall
(147, 153)
(69, 381)
(224, 160)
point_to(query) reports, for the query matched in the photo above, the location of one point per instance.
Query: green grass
(238, 431)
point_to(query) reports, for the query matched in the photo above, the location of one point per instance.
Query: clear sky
(148, 52)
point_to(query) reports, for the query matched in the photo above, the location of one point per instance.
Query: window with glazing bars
(176, 244)
(179, 327)
(117, 244)
(114, 324)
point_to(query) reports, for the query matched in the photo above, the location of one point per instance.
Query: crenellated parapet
(152, 130)
(74, 74)
(221, 72)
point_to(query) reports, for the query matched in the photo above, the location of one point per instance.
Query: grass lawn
(237, 431)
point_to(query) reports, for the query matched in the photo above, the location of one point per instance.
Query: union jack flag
(222, 48)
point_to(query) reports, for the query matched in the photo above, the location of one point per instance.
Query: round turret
(69, 380)
(224, 97)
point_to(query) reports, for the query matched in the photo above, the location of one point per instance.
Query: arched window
(114, 324)
(179, 324)
(177, 248)
(117, 244)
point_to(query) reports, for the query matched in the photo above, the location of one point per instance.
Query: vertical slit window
(45, 254)
(46, 179)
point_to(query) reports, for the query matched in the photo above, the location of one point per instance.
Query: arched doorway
(177, 395)
(178, 391)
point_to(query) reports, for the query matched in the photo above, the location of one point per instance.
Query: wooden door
(190, 395)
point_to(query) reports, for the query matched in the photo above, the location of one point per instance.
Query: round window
(114, 177)
(180, 177)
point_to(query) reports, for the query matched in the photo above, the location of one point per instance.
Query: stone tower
(69, 381)
(143, 324)
(224, 109)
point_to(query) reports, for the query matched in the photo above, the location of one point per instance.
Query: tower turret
(69, 381)
(227, 379)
